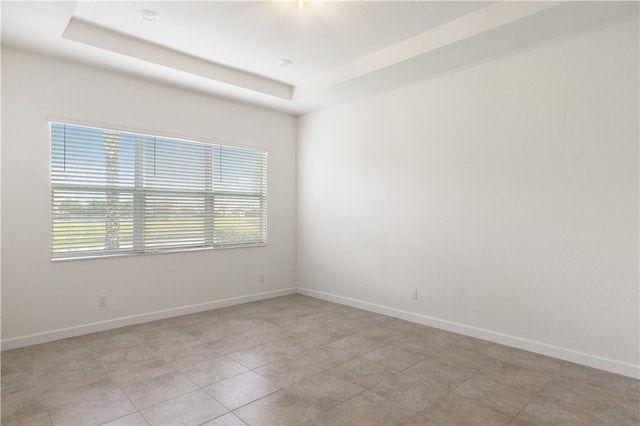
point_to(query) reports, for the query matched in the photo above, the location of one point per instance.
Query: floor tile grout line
(340, 403)
(130, 402)
(302, 379)
(619, 406)
(262, 322)
(443, 396)
(46, 406)
(476, 373)
(615, 416)
(220, 402)
(171, 399)
(126, 415)
(353, 396)
(580, 382)
(356, 356)
(530, 399)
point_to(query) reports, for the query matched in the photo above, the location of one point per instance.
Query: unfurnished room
(306, 212)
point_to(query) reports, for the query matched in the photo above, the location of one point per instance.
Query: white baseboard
(594, 361)
(63, 333)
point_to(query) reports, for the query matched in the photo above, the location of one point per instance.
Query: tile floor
(298, 360)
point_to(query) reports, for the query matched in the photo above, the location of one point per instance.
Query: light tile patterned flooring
(298, 360)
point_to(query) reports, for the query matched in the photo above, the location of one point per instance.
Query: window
(115, 192)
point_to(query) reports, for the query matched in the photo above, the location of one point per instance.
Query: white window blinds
(115, 192)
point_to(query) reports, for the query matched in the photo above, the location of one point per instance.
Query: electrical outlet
(102, 301)
(414, 293)
(261, 277)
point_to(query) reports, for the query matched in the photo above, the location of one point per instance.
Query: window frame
(139, 194)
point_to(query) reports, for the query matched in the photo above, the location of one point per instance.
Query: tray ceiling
(338, 50)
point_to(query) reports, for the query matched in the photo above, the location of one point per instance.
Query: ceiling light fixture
(149, 15)
(284, 63)
(300, 4)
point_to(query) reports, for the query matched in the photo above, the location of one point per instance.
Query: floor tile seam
(245, 365)
(135, 409)
(122, 384)
(334, 406)
(238, 415)
(421, 412)
(208, 420)
(137, 340)
(213, 383)
(430, 405)
(130, 402)
(105, 363)
(395, 370)
(531, 399)
(521, 368)
(109, 366)
(49, 415)
(395, 373)
(343, 402)
(217, 417)
(526, 367)
(250, 402)
(263, 365)
(140, 410)
(356, 354)
(452, 391)
(281, 328)
(46, 406)
(559, 376)
(628, 389)
(297, 381)
(292, 384)
(615, 417)
(408, 367)
(65, 379)
(169, 399)
(434, 354)
(594, 387)
(483, 371)
(329, 368)
(226, 356)
(501, 358)
(120, 417)
(50, 405)
(202, 388)
(426, 408)
(26, 352)
(41, 396)
(441, 350)
(36, 367)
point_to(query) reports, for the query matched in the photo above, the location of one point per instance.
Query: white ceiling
(339, 49)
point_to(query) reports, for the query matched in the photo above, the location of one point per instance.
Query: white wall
(39, 295)
(505, 192)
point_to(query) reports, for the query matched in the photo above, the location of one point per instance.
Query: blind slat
(124, 193)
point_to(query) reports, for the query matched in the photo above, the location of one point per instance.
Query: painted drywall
(505, 192)
(39, 295)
